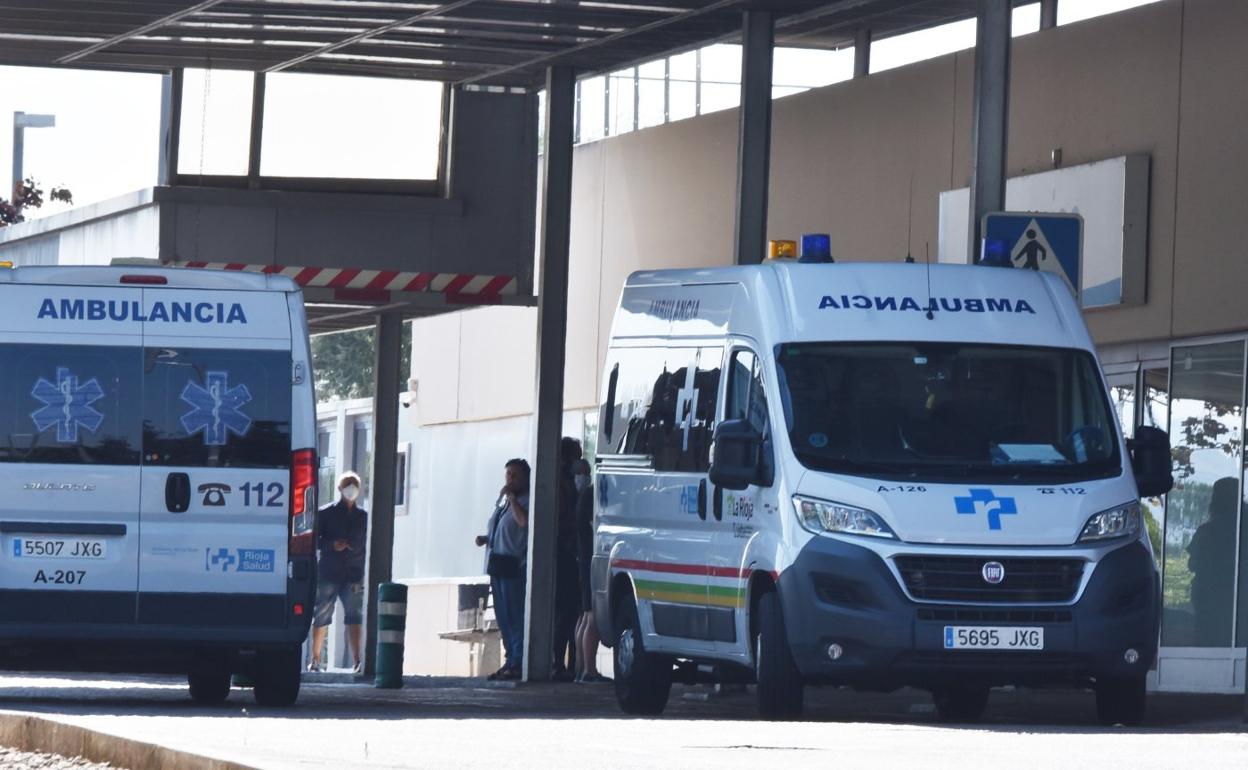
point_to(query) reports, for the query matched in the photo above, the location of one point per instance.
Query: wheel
(209, 688)
(1120, 700)
(962, 703)
(643, 680)
(780, 688)
(277, 677)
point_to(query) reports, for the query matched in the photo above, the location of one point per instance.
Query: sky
(105, 142)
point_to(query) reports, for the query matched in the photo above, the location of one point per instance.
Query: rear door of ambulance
(215, 501)
(70, 439)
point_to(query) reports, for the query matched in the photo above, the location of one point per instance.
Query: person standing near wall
(586, 631)
(506, 556)
(567, 576)
(341, 528)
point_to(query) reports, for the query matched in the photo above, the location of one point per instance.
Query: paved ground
(342, 725)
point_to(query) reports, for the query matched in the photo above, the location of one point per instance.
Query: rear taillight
(302, 500)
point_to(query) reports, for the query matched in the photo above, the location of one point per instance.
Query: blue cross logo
(1005, 506)
(217, 408)
(222, 557)
(67, 405)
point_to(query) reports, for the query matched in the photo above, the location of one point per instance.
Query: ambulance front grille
(960, 579)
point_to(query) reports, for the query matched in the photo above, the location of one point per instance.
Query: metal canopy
(494, 42)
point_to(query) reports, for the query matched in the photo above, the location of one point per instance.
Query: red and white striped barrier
(352, 280)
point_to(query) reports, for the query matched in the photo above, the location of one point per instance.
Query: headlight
(1123, 521)
(823, 516)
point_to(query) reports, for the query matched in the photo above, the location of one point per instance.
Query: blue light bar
(995, 253)
(816, 247)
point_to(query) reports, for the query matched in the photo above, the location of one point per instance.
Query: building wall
(867, 159)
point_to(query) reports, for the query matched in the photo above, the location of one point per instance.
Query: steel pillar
(387, 356)
(255, 142)
(1048, 14)
(552, 324)
(19, 149)
(170, 126)
(754, 139)
(862, 52)
(990, 120)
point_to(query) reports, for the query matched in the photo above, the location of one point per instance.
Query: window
(70, 404)
(362, 453)
(328, 461)
(350, 127)
(592, 109)
(946, 411)
(622, 96)
(216, 122)
(216, 408)
(400, 479)
(652, 94)
(1202, 511)
(662, 404)
(746, 398)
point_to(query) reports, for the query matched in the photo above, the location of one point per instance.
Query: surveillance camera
(406, 399)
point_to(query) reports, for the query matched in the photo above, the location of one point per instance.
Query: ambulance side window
(70, 404)
(640, 379)
(747, 400)
(216, 408)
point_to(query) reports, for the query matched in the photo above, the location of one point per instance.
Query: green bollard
(391, 625)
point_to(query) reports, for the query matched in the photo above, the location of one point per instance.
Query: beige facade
(1166, 80)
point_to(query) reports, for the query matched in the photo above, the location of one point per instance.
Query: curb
(47, 736)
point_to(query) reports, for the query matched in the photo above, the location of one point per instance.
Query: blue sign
(239, 559)
(217, 408)
(994, 506)
(1043, 242)
(67, 405)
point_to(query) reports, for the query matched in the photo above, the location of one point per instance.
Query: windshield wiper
(842, 464)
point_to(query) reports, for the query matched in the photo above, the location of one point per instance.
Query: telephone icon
(214, 494)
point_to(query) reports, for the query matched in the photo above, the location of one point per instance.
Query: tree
(343, 363)
(29, 195)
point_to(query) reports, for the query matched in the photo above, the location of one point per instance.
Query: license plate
(993, 638)
(58, 548)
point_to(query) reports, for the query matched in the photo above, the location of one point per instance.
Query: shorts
(352, 596)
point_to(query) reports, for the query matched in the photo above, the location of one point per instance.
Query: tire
(1120, 700)
(277, 677)
(643, 680)
(963, 703)
(780, 687)
(209, 688)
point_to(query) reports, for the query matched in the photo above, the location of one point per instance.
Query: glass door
(1203, 510)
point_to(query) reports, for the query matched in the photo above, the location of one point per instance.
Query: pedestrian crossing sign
(1037, 241)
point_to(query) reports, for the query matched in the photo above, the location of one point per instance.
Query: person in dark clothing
(341, 528)
(1212, 562)
(586, 631)
(567, 576)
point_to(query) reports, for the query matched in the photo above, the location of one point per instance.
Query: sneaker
(498, 674)
(507, 675)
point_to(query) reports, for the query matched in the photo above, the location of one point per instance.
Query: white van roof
(175, 278)
(788, 301)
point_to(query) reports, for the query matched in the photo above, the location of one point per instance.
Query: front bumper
(837, 591)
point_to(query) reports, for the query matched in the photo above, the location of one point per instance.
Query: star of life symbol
(217, 408)
(222, 557)
(1003, 506)
(67, 405)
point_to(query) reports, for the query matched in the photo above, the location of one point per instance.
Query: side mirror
(737, 456)
(1150, 459)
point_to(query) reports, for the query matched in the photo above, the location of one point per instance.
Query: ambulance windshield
(942, 410)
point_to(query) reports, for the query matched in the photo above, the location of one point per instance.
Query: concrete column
(389, 341)
(754, 139)
(170, 126)
(990, 119)
(1048, 14)
(552, 324)
(862, 52)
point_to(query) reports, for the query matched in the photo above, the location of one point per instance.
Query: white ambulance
(157, 475)
(869, 475)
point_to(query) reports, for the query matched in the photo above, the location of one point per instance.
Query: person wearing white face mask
(341, 529)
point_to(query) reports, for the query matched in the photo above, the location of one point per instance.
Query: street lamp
(21, 122)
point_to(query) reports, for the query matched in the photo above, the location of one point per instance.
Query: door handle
(702, 499)
(718, 494)
(177, 492)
